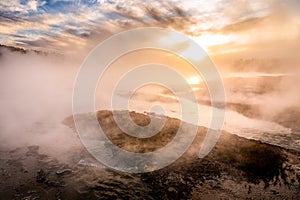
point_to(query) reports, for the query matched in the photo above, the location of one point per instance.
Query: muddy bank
(236, 168)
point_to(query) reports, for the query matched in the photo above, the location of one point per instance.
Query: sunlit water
(235, 123)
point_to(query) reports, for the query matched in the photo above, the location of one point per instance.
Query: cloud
(21, 7)
(86, 22)
(32, 5)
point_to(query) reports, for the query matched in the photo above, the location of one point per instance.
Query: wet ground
(236, 168)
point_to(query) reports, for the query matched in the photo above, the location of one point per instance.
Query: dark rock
(62, 172)
(53, 183)
(24, 170)
(41, 176)
(31, 191)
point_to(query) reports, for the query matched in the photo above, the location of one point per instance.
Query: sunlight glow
(194, 80)
(211, 40)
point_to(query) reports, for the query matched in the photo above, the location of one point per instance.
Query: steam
(35, 97)
(271, 94)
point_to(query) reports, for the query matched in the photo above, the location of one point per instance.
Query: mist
(36, 96)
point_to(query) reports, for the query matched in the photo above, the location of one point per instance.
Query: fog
(36, 96)
(36, 93)
(271, 93)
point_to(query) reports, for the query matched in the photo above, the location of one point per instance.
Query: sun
(194, 80)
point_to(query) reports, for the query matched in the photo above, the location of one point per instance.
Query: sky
(222, 27)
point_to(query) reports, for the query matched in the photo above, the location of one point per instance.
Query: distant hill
(14, 49)
(23, 50)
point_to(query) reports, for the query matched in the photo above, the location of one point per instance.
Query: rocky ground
(236, 168)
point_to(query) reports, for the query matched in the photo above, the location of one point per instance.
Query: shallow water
(253, 90)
